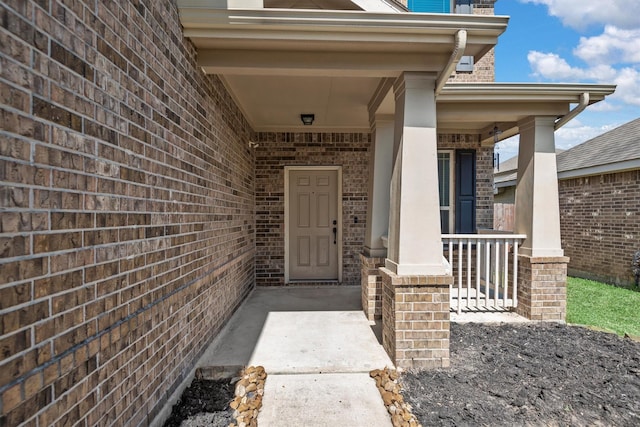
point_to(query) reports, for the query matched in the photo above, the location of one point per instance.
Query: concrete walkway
(317, 348)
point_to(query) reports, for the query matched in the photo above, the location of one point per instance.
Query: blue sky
(566, 41)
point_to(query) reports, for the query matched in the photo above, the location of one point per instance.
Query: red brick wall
(126, 210)
(600, 224)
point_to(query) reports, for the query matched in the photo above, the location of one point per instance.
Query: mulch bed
(530, 374)
(203, 396)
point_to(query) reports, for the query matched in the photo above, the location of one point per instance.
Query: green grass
(603, 306)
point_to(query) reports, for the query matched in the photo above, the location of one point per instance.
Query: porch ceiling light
(307, 119)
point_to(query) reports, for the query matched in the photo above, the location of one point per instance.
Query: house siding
(126, 210)
(600, 225)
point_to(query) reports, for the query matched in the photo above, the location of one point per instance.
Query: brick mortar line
(58, 357)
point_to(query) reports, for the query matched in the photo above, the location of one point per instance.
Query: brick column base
(371, 283)
(542, 288)
(415, 319)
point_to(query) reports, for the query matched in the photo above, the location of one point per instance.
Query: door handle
(335, 234)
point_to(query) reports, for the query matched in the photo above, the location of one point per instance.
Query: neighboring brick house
(599, 189)
(154, 168)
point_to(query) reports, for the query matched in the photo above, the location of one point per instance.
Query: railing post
(492, 253)
(516, 244)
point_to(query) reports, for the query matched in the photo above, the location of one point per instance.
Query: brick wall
(126, 210)
(277, 150)
(542, 288)
(483, 68)
(600, 225)
(415, 320)
(371, 286)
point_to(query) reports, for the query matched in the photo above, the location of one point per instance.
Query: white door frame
(288, 169)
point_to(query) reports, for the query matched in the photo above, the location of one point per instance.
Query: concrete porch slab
(300, 330)
(322, 400)
(317, 347)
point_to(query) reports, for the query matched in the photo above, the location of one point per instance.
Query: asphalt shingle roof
(617, 145)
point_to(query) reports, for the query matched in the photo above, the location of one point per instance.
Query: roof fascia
(198, 21)
(563, 92)
(601, 169)
(627, 165)
(505, 184)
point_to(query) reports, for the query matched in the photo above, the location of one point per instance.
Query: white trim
(406, 25)
(524, 92)
(610, 168)
(288, 169)
(452, 183)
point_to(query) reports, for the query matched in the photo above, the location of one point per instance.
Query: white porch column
(537, 205)
(379, 179)
(415, 242)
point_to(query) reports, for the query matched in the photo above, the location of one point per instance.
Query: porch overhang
(341, 65)
(278, 63)
(481, 107)
(477, 108)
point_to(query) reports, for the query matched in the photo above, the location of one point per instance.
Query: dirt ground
(518, 374)
(203, 403)
(530, 374)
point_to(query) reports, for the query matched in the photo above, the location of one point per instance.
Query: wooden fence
(504, 216)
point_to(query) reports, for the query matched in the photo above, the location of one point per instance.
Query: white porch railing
(485, 270)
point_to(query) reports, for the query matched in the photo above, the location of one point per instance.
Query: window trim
(452, 182)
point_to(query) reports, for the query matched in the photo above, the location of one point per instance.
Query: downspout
(458, 52)
(584, 103)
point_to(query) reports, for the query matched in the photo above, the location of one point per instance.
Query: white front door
(313, 224)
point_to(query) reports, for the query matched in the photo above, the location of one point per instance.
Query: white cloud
(552, 66)
(580, 14)
(628, 90)
(568, 136)
(508, 148)
(575, 133)
(604, 106)
(612, 46)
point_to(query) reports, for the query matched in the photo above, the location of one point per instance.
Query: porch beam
(316, 63)
(415, 243)
(537, 204)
